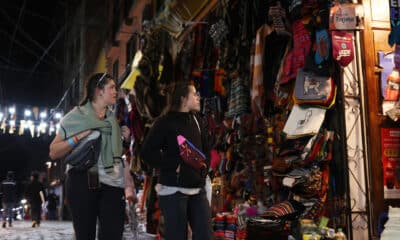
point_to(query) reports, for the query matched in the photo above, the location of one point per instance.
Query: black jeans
(36, 211)
(8, 211)
(180, 209)
(105, 204)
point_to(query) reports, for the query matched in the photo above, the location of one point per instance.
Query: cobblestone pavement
(53, 230)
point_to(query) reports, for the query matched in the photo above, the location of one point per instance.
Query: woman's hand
(132, 199)
(59, 147)
(126, 133)
(81, 135)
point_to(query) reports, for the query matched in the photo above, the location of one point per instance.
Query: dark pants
(105, 204)
(152, 221)
(36, 211)
(52, 214)
(179, 209)
(8, 213)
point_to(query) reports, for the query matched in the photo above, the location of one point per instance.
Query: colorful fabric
(238, 101)
(323, 45)
(297, 57)
(257, 89)
(219, 78)
(288, 208)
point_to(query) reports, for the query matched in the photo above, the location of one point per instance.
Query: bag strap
(197, 122)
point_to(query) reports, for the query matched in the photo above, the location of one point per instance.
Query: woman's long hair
(97, 80)
(175, 93)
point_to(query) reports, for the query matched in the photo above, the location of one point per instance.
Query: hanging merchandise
(386, 64)
(218, 32)
(257, 88)
(296, 58)
(311, 89)
(392, 90)
(135, 72)
(219, 78)
(238, 101)
(304, 121)
(394, 36)
(397, 56)
(323, 44)
(342, 46)
(278, 16)
(390, 141)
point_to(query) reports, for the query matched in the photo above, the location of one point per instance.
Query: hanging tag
(346, 17)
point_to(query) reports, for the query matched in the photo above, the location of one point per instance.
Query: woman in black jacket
(180, 188)
(36, 194)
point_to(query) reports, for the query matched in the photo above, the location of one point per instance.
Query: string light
(30, 121)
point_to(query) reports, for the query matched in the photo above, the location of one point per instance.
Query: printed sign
(343, 17)
(390, 141)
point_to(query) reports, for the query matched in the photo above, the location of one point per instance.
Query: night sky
(31, 74)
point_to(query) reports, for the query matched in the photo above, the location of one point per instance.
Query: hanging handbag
(86, 153)
(313, 89)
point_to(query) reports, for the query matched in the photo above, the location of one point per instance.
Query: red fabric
(297, 57)
(215, 159)
(219, 77)
(342, 46)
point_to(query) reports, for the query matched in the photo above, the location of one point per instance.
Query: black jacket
(160, 148)
(8, 188)
(33, 192)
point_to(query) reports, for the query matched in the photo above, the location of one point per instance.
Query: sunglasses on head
(101, 79)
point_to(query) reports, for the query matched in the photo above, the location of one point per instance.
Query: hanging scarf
(82, 118)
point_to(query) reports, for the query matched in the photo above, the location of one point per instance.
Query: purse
(313, 89)
(192, 156)
(86, 153)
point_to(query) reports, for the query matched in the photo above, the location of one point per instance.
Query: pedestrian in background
(52, 201)
(35, 194)
(181, 193)
(8, 190)
(97, 194)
